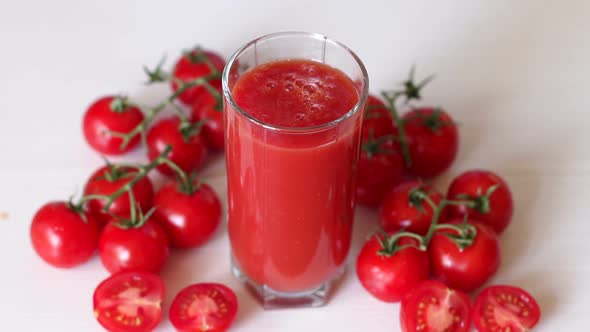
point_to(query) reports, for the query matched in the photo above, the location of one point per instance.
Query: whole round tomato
(469, 268)
(61, 236)
(111, 114)
(492, 197)
(137, 248)
(433, 307)
(107, 180)
(204, 109)
(195, 64)
(129, 302)
(402, 210)
(189, 218)
(381, 167)
(390, 273)
(433, 141)
(188, 149)
(505, 308)
(377, 122)
(204, 307)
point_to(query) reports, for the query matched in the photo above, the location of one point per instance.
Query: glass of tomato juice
(293, 109)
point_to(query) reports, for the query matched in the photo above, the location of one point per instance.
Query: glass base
(273, 299)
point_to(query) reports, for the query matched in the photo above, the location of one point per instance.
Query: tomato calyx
(480, 202)
(189, 129)
(77, 208)
(157, 74)
(136, 219)
(417, 196)
(412, 89)
(120, 104)
(463, 236)
(433, 121)
(374, 146)
(390, 243)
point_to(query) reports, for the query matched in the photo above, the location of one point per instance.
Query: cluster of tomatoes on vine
(432, 248)
(132, 226)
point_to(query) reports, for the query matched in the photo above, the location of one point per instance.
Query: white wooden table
(515, 74)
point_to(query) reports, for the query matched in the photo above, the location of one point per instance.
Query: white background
(515, 74)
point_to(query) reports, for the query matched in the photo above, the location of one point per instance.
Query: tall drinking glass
(291, 188)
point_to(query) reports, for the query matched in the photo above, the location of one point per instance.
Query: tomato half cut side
(129, 302)
(208, 307)
(505, 308)
(433, 307)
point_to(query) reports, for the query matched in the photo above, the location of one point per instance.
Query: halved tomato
(433, 307)
(505, 308)
(208, 307)
(129, 302)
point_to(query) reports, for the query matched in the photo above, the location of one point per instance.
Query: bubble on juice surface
(271, 85)
(300, 116)
(290, 78)
(289, 87)
(300, 83)
(310, 88)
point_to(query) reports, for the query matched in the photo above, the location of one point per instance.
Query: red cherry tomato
(381, 167)
(188, 149)
(505, 308)
(469, 268)
(188, 218)
(390, 276)
(195, 64)
(107, 180)
(400, 210)
(433, 141)
(129, 302)
(62, 237)
(204, 307)
(203, 109)
(143, 248)
(111, 114)
(432, 307)
(495, 210)
(377, 122)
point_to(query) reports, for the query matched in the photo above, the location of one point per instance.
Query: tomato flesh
(204, 307)
(505, 308)
(129, 302)
(433, 307)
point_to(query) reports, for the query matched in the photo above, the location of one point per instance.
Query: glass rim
(358, 106)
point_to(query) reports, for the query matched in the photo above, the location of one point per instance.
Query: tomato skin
(189, 156)
(378, 121)
(186, 71)
(144, 248)
(390, 278)
(189, 220)
(517, 310)
(139, 291)
(466, 269)
(450, 309)
(476, 182)
(377, 174)
(397, 212)
(203, 109)
(432, 151)
(98, 184)
(216, 302)
(99, 119)
(61, 237)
